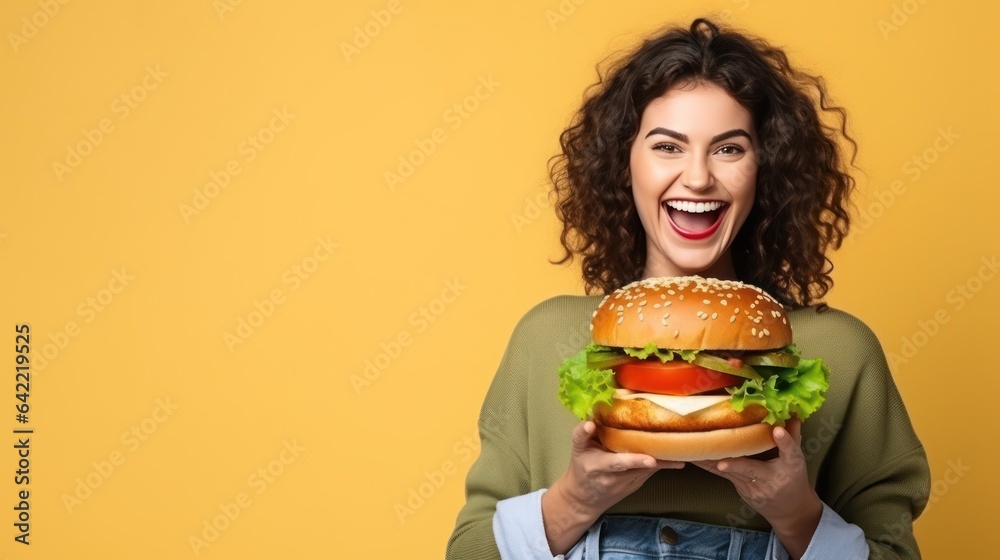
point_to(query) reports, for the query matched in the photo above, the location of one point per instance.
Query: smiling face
(693, 168)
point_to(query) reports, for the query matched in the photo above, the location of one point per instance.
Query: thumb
(788, 445)
(582, 434)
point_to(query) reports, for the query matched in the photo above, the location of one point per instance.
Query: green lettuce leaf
(799, 390)
(580, 388)
(664, 355)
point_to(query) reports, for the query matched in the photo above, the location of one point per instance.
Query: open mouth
(695, 220)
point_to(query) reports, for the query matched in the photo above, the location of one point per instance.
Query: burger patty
(641, 414)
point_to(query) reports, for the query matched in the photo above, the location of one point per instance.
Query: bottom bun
(690, 446)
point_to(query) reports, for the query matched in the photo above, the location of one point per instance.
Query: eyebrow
(684, 138)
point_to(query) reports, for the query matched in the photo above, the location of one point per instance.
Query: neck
(722, 269)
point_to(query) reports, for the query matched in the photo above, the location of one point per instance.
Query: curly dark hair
(803, 189)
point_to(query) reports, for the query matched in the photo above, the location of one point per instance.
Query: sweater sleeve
(877, 476)
(501, 469)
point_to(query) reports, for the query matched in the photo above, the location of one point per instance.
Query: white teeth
(694, 207)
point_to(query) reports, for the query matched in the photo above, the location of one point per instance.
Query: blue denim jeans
(621, 537)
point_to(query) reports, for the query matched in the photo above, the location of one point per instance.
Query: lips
(695, 219)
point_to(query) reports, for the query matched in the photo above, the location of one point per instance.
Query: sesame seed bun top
(691, 312)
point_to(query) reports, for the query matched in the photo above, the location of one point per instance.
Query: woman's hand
(778, 489)
(595, 480)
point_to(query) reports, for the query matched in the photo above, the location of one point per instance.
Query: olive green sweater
(863, 456)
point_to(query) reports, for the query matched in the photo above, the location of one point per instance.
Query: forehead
(705, 108)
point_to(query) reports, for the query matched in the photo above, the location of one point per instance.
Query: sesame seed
(753, 331)
(667, 315)
(621, 308)
(761, 334)
(629, 304)
(766, 333)
(732, 319)
(676, 333)
(714, 315)
(591, 327)
(737, 310)
(641, 303)
(703, 317)
(594, 314)
(681, 297)
(783, 321)
(620, 319)
(723, 302)
(640, 317)
(656, 306)
(667, 304)
(663, 296)
(706, 302)
(671, 292)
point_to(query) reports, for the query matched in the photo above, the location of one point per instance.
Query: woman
(720, 118)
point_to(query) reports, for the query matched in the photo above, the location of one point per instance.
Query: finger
(741, 468)
(661, 464)
(789, 448)
(582, 433)
(626, 461)
(713, 467)
(707, 465)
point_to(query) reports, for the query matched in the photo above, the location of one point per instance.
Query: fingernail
(649, 462)
(779, 432)
(722, 466)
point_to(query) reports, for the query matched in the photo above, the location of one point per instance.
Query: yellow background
(202, 77)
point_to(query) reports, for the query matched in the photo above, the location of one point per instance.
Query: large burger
(690, 368)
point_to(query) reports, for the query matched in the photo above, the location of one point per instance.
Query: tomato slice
(675, 377)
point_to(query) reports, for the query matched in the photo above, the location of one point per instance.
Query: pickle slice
(715, 363)
(775, 359)
(606, 360)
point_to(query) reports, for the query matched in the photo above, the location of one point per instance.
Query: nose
(697, 176)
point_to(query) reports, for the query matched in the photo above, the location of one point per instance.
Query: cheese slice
(680, 405)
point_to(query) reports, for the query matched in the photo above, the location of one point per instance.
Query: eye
(667, 147)
(733, 149)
